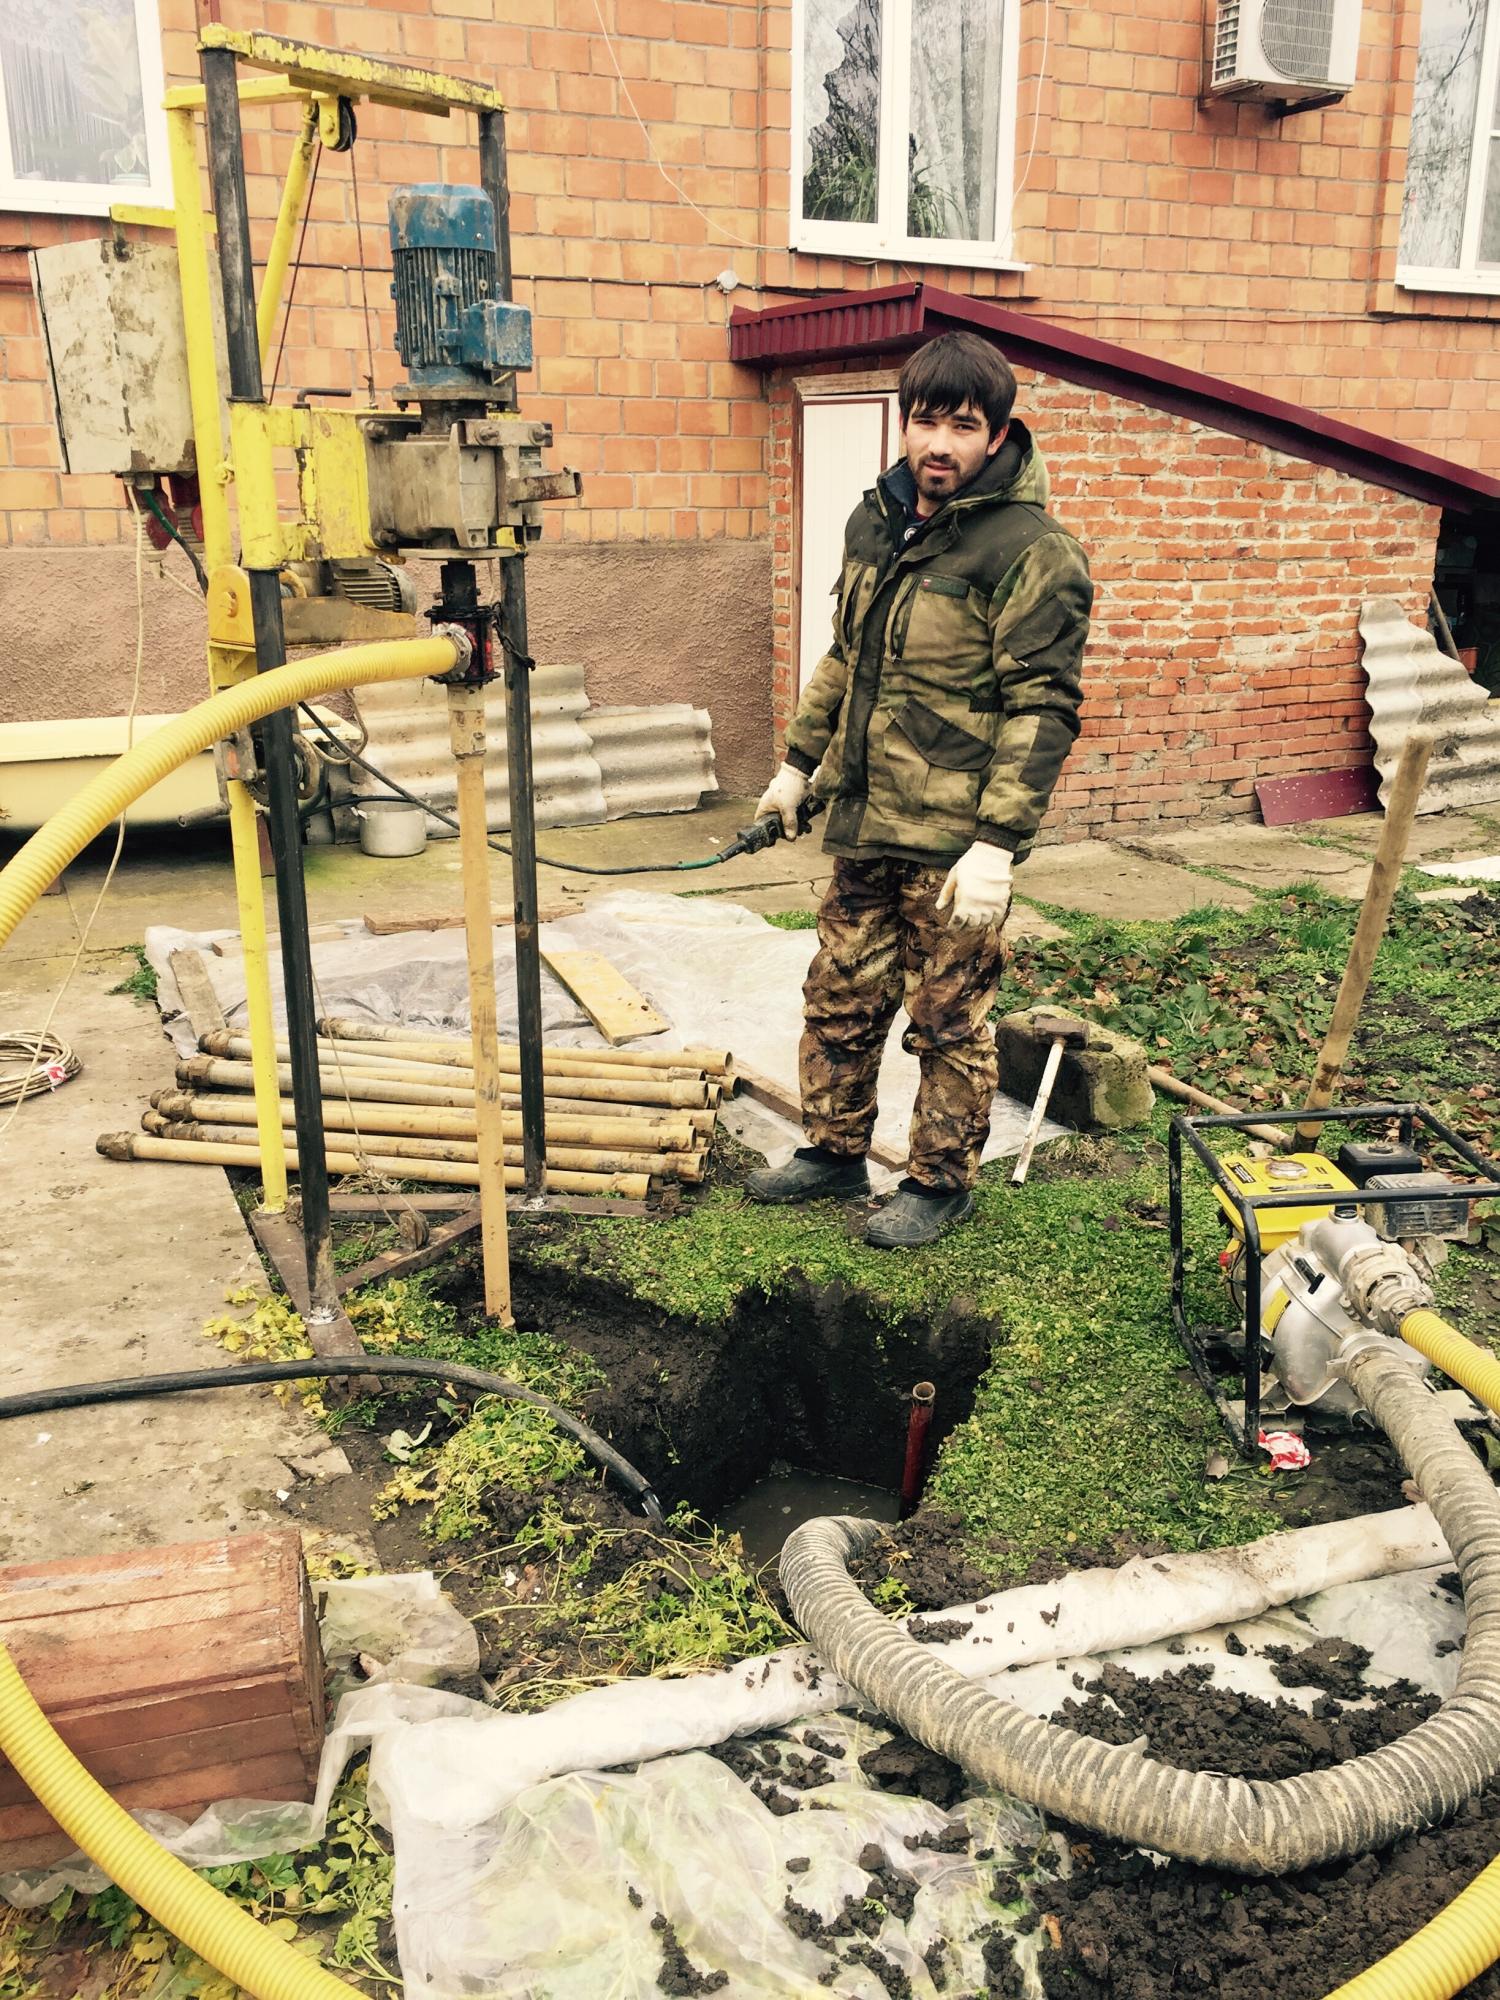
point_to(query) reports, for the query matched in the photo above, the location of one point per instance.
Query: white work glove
(782, 796)
(978, 887)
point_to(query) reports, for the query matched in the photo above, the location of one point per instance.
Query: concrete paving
(1102, 879)
(111, 1270)
(1261, 857)
(1445, 836)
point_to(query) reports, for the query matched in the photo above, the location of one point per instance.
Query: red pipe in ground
(917, 1424)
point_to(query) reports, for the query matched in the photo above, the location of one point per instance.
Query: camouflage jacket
(945, 706)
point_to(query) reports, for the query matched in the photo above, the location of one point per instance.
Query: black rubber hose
(34, 1402)
(447, 819)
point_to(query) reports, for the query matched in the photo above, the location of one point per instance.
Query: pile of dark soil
(1127, 1928)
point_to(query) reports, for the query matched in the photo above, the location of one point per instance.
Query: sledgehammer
(1065, 1033)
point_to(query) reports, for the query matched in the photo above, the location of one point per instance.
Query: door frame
(870, 385)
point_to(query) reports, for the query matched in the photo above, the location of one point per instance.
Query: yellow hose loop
(1464, 1939)
(105, 797)
(1444, 1956)
(1446, 1348)
(208, 1923)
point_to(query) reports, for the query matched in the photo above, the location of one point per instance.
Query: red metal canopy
(900, 317)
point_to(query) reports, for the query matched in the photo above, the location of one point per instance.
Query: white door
(847, 441)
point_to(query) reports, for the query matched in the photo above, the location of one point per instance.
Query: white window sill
(19, 197)
(863, 249)
(1478, 284)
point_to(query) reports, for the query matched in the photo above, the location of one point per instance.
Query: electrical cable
(48, 1063)
(148, 495)
(446, 819)
(84, 1395)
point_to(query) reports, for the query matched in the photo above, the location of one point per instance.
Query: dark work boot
(917, 1215)
(811, 1175)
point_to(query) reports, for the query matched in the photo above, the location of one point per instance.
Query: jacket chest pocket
(935, 634)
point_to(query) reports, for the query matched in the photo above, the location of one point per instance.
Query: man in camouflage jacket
(934, 727)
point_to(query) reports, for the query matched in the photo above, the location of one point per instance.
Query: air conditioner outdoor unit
(1285, 49)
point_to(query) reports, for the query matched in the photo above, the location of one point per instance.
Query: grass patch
(793, 920)
(140, 984)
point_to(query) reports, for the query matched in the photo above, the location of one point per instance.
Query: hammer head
(1061, 1028)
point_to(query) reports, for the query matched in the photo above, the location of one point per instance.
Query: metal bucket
(391, 826)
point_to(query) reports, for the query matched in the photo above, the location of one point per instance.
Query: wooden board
(605, 995)
(765, 1090)
(452, 920)
(179, 1676)
(199, 1001)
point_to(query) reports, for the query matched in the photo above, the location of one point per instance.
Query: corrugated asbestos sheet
(653, 760)
(1414, 685)
(646, 760)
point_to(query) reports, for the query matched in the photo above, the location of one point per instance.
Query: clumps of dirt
(887, 1883)
(928, 1556)
(886, 1970)
(848, 1937)
(1125, 1927)
(774, 1773)
(1337, 1666)
(904, 1766)
(1187, 1722)
(678, 1973)
(951, 1839)
(937, 1631)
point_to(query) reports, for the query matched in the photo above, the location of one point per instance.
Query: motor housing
(454, 332)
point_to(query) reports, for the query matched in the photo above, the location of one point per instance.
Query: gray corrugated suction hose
(1251, 1827)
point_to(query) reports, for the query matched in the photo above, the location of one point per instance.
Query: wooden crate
(179, 1676)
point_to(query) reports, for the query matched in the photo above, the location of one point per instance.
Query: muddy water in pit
(787, 1497)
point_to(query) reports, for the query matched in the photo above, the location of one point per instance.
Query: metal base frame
(1196, 1340)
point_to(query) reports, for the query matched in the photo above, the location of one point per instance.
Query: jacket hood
(1016, 472)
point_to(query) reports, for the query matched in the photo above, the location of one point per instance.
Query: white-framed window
(904, 129)
(1450, 215)
(81, 124)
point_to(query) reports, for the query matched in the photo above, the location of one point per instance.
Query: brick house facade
(651, 147)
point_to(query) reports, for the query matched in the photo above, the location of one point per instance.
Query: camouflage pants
(884, 942)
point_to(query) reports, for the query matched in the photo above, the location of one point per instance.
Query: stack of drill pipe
(400, 1103)
(445, 1173)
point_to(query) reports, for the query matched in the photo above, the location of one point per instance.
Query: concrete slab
(1105, 880)
(1262, 857)
(1445, 836)
(111, 1270)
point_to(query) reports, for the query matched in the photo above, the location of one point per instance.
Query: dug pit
(795, 1404)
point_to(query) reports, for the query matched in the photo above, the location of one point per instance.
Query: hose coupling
(1383, 1285)
(462, 643)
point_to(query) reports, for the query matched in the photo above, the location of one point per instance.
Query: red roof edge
(901, 316)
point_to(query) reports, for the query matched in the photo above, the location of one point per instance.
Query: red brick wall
(1228, 580)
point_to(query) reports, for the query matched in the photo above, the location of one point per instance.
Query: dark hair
(955, 369)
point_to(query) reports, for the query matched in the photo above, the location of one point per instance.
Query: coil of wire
(32, 1062)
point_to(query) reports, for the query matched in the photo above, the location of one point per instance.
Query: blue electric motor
(452, 330)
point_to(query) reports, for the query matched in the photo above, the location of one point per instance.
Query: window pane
(1489, 222)
(841, 111)
(73, 98)
(1444, 107)
(955, 119)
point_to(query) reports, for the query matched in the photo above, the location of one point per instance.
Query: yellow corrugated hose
(225, 1936)
(1441, 1959)
(105, 797)
(208, 1923)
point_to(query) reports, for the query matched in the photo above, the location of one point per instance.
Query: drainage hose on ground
(105, 797)
(206, 1921)
(35, 1402)
(1250, 1828)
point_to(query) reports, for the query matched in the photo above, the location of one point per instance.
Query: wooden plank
(180, 1675)
(396, 1263)
(281, 1240)
(199, 1001)
(605, 995)
(765, 1090)
(449, 920)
